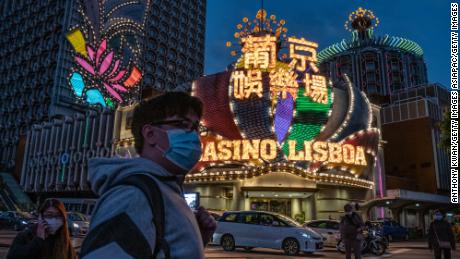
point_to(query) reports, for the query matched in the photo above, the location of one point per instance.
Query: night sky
(426, 22)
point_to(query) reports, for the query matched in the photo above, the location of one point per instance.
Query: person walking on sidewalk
(351, 226)
(48, 239)
(141, 211)
(440, 236)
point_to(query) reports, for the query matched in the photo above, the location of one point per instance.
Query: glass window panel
(266, 219)
(396, 115)
(250, 218)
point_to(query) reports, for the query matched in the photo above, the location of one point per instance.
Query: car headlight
(23, 222)
(306, 235)
(75, 225)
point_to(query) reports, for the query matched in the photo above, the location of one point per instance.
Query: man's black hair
(159, 108)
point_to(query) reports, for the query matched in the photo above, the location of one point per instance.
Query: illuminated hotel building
(392, 72)
(377, 65)
(174, 44)
(32, 69)
(110, 47)
(276, 134)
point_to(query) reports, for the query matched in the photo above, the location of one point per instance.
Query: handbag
(442, 244)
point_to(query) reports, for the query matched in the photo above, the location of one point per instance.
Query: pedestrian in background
(130, 222)
(48, 239)
(351, 226)
(440, 236)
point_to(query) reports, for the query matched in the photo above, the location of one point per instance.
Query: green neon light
(307, 127)
(109, 103)
(391, 41)
(62, 173)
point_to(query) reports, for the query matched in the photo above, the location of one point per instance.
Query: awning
(402, 199)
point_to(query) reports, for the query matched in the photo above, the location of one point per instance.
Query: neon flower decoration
(99, 78)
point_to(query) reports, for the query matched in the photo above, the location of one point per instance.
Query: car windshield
(289, 221)
(77, 217)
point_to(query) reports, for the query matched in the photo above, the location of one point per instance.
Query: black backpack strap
(153, 194)
(350, 220)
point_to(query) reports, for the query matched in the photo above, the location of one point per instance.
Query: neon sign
(281, 106)
(254, 149)
(106, 52)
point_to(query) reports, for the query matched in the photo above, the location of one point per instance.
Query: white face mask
(54, 224)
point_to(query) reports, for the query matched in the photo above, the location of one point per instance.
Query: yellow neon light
(76, 38)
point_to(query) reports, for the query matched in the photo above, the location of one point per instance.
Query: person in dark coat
(49, 238)
(351, 227)
(440, 232)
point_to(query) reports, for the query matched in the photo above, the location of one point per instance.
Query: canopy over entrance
(399, 199)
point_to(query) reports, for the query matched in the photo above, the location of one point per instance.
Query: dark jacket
(26, 245)
(351, 225)
(443, 231)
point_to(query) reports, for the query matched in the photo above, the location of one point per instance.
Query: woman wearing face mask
(440, 236)
(49, 238)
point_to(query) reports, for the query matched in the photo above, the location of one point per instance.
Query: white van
(249, 229)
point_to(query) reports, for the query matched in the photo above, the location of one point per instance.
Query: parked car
(329, 229)
(392, 229)
(16, 220)
(215, 214)
(250, 229)
(78, 223)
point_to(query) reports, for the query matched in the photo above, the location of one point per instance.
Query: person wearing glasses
(123, 225)
(49, 238)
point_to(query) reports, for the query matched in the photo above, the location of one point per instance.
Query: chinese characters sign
(260, 54)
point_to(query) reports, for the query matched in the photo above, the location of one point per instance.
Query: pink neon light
(115, 67)
(85, 65)
(100, 50)
(98, 65)
(90, 53)
(118, 76)
(112, 92)
(106, 63)
(119, 87)
(380, 182)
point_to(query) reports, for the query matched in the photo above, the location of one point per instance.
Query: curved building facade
(277, 136)
(392, 72)
(300, 189)
(377, 65)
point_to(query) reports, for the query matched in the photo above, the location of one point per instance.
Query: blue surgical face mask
(438, 217)
(184, 148)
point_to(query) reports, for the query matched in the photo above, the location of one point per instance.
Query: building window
(344, 66)
(160, 71)
(394, 65)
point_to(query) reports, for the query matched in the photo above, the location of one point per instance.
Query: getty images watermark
(454, 102)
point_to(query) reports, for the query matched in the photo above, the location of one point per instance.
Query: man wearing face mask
(123, 225)
(441, 236)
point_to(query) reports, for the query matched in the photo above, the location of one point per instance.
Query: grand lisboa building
(277, 135)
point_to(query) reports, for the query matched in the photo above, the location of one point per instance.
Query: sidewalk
(7, 237)
(411, 244)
